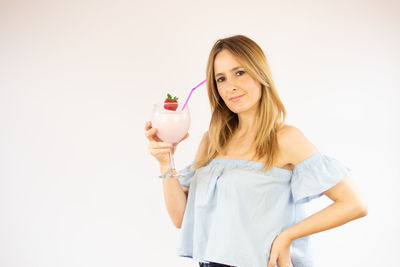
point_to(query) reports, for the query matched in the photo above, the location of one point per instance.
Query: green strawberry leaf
(170, 98)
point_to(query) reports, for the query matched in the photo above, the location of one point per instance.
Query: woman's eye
(239, 73)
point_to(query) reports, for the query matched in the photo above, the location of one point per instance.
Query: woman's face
(237, 88)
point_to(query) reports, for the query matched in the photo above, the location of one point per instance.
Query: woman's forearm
(175, 198)
(336, 214)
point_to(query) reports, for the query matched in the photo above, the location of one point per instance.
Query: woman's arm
(175, 195)
(349, 203)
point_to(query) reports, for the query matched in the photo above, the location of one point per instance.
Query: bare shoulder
(294, 145)
(202, 146)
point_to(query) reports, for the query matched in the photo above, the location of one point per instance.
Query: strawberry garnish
(171, 103)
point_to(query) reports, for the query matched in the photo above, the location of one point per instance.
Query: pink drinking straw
(187, 99)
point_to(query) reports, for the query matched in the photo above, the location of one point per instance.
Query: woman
(241, 201)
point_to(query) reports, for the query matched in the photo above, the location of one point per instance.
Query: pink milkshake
(171, 125)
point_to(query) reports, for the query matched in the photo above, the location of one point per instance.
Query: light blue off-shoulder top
(235, 210)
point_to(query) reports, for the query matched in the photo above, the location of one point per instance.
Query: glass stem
(171, 158)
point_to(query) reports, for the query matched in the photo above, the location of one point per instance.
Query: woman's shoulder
(294, 145)
(288, 131)
(205, 139)
(202, 148)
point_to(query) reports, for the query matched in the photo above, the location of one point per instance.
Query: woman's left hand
(280, 252)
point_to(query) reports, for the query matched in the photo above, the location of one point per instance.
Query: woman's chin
(238, 109)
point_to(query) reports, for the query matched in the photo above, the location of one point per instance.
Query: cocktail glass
(171, 126)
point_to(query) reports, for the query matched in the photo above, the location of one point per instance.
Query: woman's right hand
(159, 149)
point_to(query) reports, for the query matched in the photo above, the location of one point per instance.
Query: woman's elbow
(178, 222)
(361, 208)
(178, 225)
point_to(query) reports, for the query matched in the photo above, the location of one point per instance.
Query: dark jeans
(213, 264)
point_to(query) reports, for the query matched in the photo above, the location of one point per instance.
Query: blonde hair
(271, 112)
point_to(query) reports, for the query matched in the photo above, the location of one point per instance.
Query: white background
(78, 186)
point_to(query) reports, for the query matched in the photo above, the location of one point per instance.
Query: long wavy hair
(271, 112)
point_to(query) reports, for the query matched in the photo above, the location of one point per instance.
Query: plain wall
(78, 186)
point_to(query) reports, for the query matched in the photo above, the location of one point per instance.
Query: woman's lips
(236, 98)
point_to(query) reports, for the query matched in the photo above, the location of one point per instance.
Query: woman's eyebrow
(235, 68)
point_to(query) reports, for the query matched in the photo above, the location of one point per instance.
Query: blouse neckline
(256, 164)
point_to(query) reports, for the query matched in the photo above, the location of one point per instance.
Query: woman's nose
(231, 86)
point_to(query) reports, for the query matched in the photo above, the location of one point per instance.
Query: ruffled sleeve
(188, 173)
(315, 175)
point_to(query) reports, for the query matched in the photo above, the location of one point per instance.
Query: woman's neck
(247, 124)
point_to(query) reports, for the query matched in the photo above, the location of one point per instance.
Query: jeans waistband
(213, 264)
